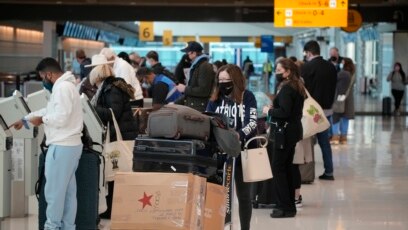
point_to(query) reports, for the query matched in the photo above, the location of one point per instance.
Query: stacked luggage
(179, 140)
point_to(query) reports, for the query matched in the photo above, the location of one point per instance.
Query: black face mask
(279, 77)
(333, 59)
(226, 88)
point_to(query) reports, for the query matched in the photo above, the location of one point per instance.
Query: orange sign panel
(311, 13)
(355, 21)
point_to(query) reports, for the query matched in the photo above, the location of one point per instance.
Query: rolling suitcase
(262, 192)
(307, 171)
(181, 156)
(178, 121)
(87, 177)
(386, 106)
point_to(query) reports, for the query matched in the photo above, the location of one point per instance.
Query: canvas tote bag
(118, 154)
(313, 119)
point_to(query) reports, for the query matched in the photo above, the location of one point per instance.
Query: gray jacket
(343, 82)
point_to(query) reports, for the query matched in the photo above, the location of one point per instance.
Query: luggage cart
(228, 182)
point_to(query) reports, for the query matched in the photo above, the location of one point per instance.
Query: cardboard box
(215, 207)
(171, 201)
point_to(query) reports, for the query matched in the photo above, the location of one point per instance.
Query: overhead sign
(256, 41)
(267, 44)
(310, 13)
(146, 32)
(167, 38)
(354, 21)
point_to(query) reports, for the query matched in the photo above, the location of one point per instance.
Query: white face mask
(146, 85)
(341, 65)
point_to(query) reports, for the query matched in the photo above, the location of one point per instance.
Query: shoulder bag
(339, 106)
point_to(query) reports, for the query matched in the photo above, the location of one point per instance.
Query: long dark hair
(349, 66)
(294, 77)
(238, 80)
(401, 72)
(179, 71)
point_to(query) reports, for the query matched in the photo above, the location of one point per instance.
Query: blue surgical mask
(48, 85)
(341, 65)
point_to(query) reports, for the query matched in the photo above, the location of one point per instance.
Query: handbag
(255, 162)
(340, 106)
(313, 119)
(118, 154)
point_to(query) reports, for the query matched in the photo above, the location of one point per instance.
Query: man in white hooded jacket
(63, 123)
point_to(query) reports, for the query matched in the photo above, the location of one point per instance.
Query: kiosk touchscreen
(6, 142)
(93, 123)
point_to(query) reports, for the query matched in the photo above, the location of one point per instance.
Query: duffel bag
(178, 121)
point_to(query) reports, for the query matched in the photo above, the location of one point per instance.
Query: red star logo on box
(146, 200)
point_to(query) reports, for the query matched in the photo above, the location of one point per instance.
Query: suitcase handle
(154, 149)
(193, 118)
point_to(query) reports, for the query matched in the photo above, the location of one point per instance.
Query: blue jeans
(324, 142)
(341, 127)
(60, 189)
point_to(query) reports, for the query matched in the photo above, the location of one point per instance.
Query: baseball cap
(192, 46)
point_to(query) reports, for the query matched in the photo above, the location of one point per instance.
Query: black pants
(297, 180)
(397, 94)
(282, 170)
(244, 197)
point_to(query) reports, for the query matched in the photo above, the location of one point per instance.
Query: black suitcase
(307, 171)
(181, 156)
(262, 192)
(87, 177)
(386, 106)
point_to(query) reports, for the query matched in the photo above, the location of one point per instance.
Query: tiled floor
(370, 190)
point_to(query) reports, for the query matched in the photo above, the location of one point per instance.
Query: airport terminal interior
(370, 185)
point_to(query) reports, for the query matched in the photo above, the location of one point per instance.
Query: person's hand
(17, 125)
(181, 88)
(36, 121)
(266, 109)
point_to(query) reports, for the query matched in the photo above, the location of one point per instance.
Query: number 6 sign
(146, 32)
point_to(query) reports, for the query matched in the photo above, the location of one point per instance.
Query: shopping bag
(118, 154)
(313, 119)
(339, 106)
(255, 162)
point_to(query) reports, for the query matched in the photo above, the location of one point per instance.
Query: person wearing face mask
(63, 122)
(113, 93)
(228, 94)
(286, 113)
(398, 82)
(335, 58)
(320, 77)
(163, 89)
(345, 82)
(199, 87)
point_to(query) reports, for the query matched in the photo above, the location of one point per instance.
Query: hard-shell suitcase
(386, 106)
(87, 178)
(178, 121)
(181, 156)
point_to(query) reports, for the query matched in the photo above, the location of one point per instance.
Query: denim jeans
(60, 189)
(324, 142)
(341, 127)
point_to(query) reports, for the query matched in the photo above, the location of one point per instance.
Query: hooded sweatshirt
(62, 118)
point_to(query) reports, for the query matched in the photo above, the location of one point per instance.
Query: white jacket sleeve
(62, 106)
(38, 113)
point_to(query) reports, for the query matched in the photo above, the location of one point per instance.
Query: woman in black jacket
(286, 114)
(113, 93)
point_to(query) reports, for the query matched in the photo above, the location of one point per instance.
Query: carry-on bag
(142, 116)
(178, 121)
(255, 162)
(87, 178)
(386, 106)
(181, 156)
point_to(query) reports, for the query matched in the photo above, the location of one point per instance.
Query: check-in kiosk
(24, 154)
(6, 143)
(93, 123)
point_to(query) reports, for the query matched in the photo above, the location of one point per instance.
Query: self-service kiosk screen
(95, 113)
(25, 104)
